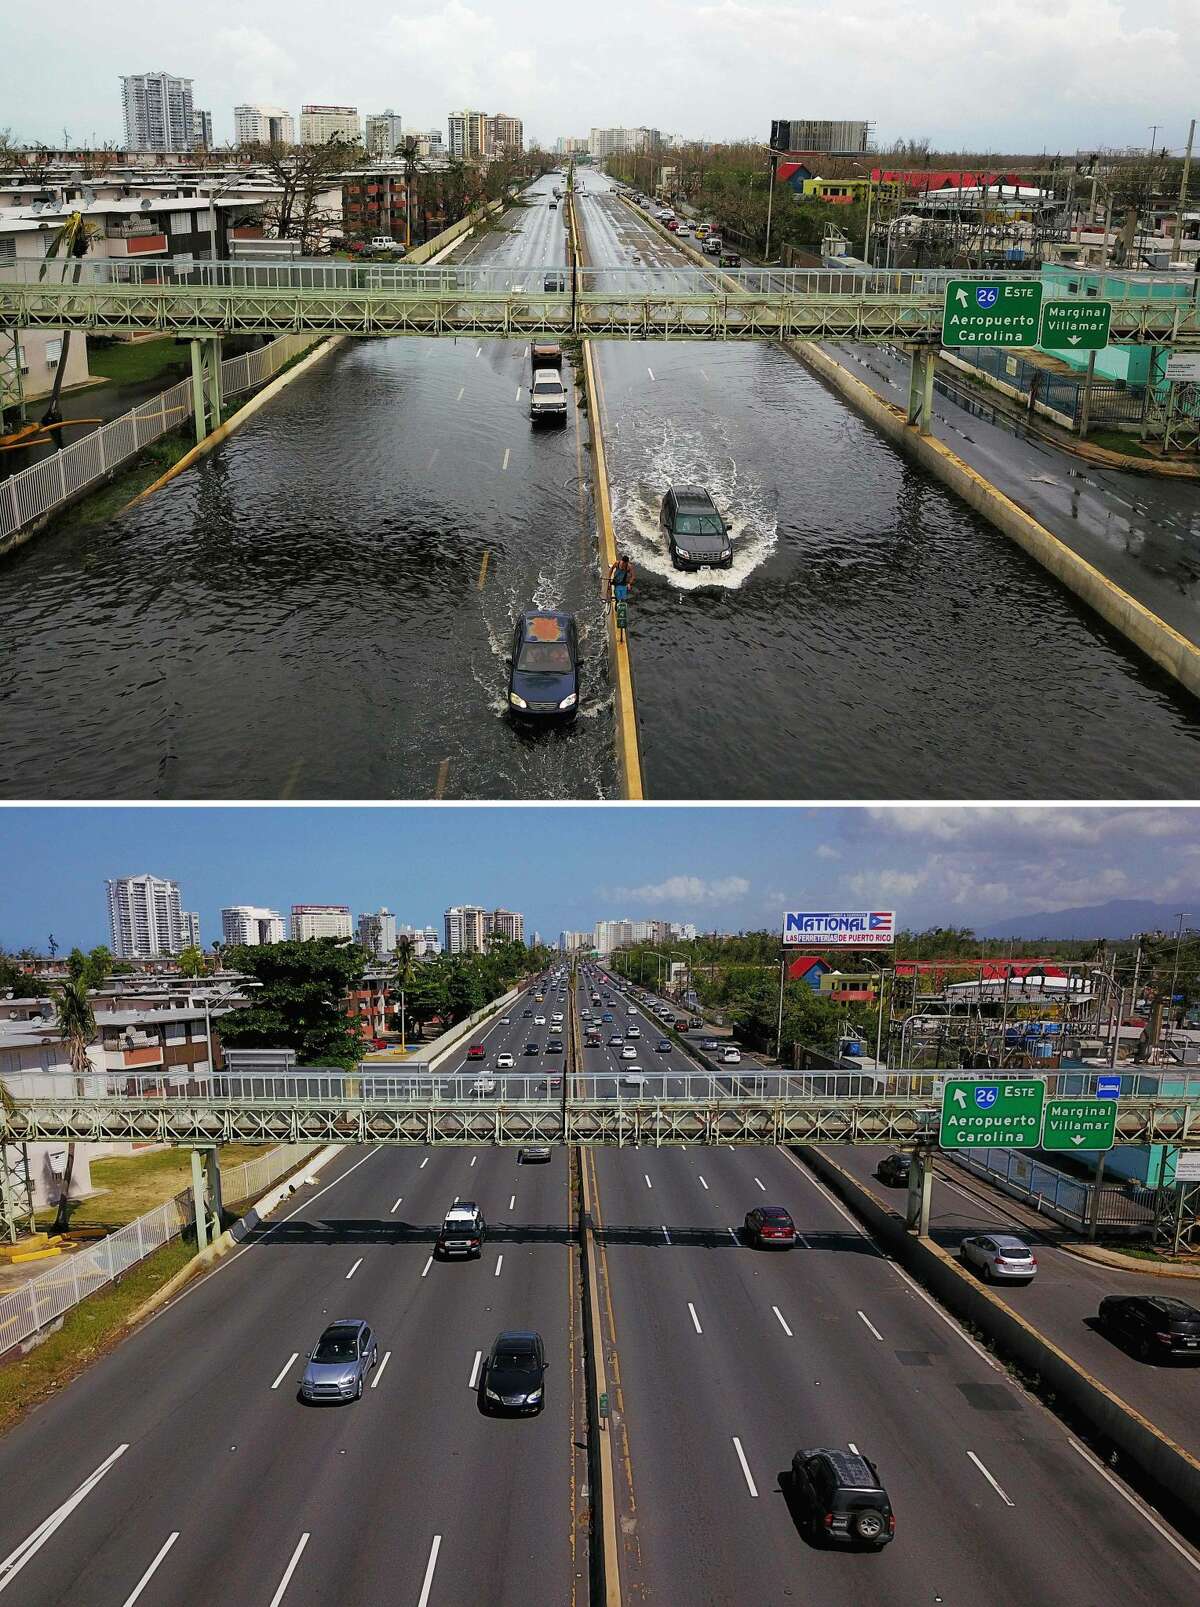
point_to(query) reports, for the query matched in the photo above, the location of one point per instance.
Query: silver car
(1001, 1257)
(337, 1368)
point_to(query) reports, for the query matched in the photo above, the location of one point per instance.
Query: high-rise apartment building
(263, 125)
(425, 939)
(506, 924)
(385, 131)
(251, 925)
(464, 929)
(468, 135)
(430, 145)
(568, 145)
(604, 142)
(503, 133)
(191, 929)
(202, 131)
(377, 933)
(320, 920)
(145, 918)
(158, 112)
(568, 942)
(320, 124)
(847, 136)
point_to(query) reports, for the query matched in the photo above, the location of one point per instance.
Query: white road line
(733, 1236)
(504, 465)
(650, 371)
(1188, 1556)
(853, 1448)
(289, 1571)
(429, 1567)
(518, 393)
(423, 1164)
(704, 377)
(703, 1184)
(782, 1323)
(761, 1184)
(871, 1326)
(286, 1368)
(750, 1484)
(649, 1184)
(146, 1577)
(695, 1319)
(392, 1212)
(387, 1356)
(459, 397)
(354, 1269)
(990, 1480)
(666, 1235)
(512, 1202)
(804, 1241)
(33, 1543)
(474, 1378)
(499, 1264)
(478, 350)
(426, 1267)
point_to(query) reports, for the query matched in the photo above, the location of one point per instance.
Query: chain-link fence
(33, 492)
(1111, 401)
(47, 1297)
(1070, 1200)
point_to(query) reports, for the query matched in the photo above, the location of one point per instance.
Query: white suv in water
(547, 397)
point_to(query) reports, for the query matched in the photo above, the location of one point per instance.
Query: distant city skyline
(718, 868)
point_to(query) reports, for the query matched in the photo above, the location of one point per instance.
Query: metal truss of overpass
(767, 1110)
(212, 300)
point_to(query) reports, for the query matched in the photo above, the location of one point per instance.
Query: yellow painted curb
(608, 1509)
(35, 1255)
(1128, 1263)
(239, 418)
(1167, 647)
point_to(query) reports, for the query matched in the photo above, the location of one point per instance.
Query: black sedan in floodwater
(543, 676)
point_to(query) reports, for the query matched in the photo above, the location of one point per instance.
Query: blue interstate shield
(987, 295)
(987, 1096)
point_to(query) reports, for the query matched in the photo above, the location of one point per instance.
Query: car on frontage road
(1155, 1327)
(1000, 1257)
(894, 1169)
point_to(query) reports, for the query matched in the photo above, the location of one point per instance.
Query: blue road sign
(985, 1096)
(987, 295)
(1108, 1088)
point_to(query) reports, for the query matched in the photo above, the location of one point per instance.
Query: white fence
(37, 490)
(64, 1284)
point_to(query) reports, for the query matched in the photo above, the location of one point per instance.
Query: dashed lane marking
(286, 1368)
(289, 1571)
(991, 1480)
(741, 1455)
(426, 1267)
(474, 1378)
(871, 1326)
(354, 1269)
(152, 1569)
(504, 465)
(695, 1319)
(387, 1356)
(782, 1322)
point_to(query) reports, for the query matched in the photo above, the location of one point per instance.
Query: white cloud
(685, 891)
(827, 851)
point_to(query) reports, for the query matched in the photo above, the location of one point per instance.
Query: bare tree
(303, 174)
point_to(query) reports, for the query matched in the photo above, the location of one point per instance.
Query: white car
(731, 1057)
(633, 1078)
(1001, 1257)
(504, 1021)
(539, 1021)
(629, 1052)
(633, 1032)
(504, 1061)
(557, 1017)
(484, 1085)
(630, 1011)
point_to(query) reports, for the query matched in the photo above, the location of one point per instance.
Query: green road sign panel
(998, 314)
(1076, 326)
(1080, 1124)
(981, 1112)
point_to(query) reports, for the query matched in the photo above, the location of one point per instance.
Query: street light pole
(1183, 915)
(770, 199)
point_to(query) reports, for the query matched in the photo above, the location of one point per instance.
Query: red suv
(476, 1052)
(770, 1226)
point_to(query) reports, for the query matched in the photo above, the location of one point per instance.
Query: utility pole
(1183, 192)
(1183, 915)
(770, 199)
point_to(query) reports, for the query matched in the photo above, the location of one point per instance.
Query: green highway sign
(978, 1112)
(1080, 1124)
(976, 313)
(1076, 326)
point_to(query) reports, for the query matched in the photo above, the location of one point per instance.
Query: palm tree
(408, 154)
(406, 954)
(77, 1027)
(74, 239)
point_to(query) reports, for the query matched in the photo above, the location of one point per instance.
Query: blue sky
(568, 867)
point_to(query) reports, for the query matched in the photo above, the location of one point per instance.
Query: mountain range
(1119, 917)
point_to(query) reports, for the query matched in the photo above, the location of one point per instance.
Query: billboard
(848, 929)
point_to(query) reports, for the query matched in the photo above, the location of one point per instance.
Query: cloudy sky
(567, 867)
(1017, 75)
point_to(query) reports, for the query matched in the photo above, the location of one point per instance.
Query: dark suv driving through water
(696, 533)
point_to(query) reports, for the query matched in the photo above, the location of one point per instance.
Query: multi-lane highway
(409, 1496)
(726, 1360)
(873, 636)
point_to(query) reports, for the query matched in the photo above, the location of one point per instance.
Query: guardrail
(46, 1298)
(32, 493)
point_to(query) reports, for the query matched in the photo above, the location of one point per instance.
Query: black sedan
(894, 1169)
(543, 677)
(533, 1048)
(514, 1376)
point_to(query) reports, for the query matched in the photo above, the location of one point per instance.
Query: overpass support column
(920, 1191)
(199, 1202)
(206, 386)
(206, 1195)
(923, 360)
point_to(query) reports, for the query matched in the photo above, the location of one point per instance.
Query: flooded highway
(874, 637)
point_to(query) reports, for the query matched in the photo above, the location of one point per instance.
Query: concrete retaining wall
(1157, 1457)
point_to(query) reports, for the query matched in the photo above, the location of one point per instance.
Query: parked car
(1156, 1327)
(770, 1226)
(1000, 1257)
(894, 1169)
(514, 1376)
(339, 1363)
(462, 1232)
(842, 1499)
(384, 242)
(543, 679)
(697, 534)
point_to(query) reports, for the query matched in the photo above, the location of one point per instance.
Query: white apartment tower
(250, 925)
(377, 933)
(507, 924)
(385, 131)
(191, 929)
(319, 124)
(464, 929)
(158, 112)
(145, 919)
(468, 135)
(263, 125)
(320, 920)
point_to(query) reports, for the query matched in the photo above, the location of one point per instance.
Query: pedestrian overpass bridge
(206, 301)
(412, 1106)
